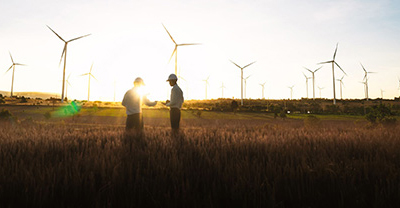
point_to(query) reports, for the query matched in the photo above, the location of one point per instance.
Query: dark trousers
(175, 117)
(134, 121)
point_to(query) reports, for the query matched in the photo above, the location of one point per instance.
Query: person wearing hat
(133, 101)
(175, 104)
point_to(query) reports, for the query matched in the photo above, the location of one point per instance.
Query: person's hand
(167, 102)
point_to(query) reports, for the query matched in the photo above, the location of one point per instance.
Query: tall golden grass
(282, 164)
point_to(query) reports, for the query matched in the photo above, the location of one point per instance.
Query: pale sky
(128, 41)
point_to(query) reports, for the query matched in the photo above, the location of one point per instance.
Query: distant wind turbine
(291, 92)
(333, 72)
(320, 89)
(382, 91)
(206, 81)
(89, 75)
(262, 90)
(366, 80)
(307, 78)
(313, 80)
(399, 87)
(13, 67)
(241, 78)
(64, 54)
(341, 84)
(222, 88)
(176, 49)
(245, 85)
(365, 88)
(66, 87)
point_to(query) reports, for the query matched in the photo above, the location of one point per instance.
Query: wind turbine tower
(262, 90)
(13, 67)
(176, 49)
(206, 82)
(313, 80)
(333, 62)
(64, 54)
(382, 91)
(241, 78)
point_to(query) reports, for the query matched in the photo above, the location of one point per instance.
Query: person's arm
(147, 102)
(124, 100)
(173, 100)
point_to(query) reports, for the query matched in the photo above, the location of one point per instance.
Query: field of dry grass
(216, 161)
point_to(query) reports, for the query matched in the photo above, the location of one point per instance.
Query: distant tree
(381, 114)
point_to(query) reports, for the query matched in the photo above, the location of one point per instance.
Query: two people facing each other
(133, 101)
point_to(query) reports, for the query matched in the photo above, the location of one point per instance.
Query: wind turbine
(115, 83)
(206, 81)
(341, 84)
(333, 72)
(64, 54)
(222, 87)
(241, 78)
(13, 67)
(66, 87)
(262, 85)
(320, 89)
(291, 92)
(313, 80)
(366, 80)
(382, 91)
(176, 49)
(365, 88)
(89, 75)
(399, 87)
(307, 78)
(245, 85)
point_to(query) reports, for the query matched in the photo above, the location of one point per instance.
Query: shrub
(5, 114)
(47, 115)
(312, 121)
(380, 114)
(23, 100)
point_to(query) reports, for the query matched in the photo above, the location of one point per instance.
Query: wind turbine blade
(363, 68)
(93, 77)
(56, 33)
(84, 74)
(187, 44)
(11, 57)
(307, 70)
(20, 64)
(173, 52)
(326, 62)
(305, 76)
(169, 34)
(334, 55)
(78, 38)
(62, 54)
(249, 64)
(68, 83)
(340, 68)
(9, 68)
(318, 69)
(91, 67)
(68, 76)
(235, 64)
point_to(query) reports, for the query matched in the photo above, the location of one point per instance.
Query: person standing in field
(175, 104)
(133, 101)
